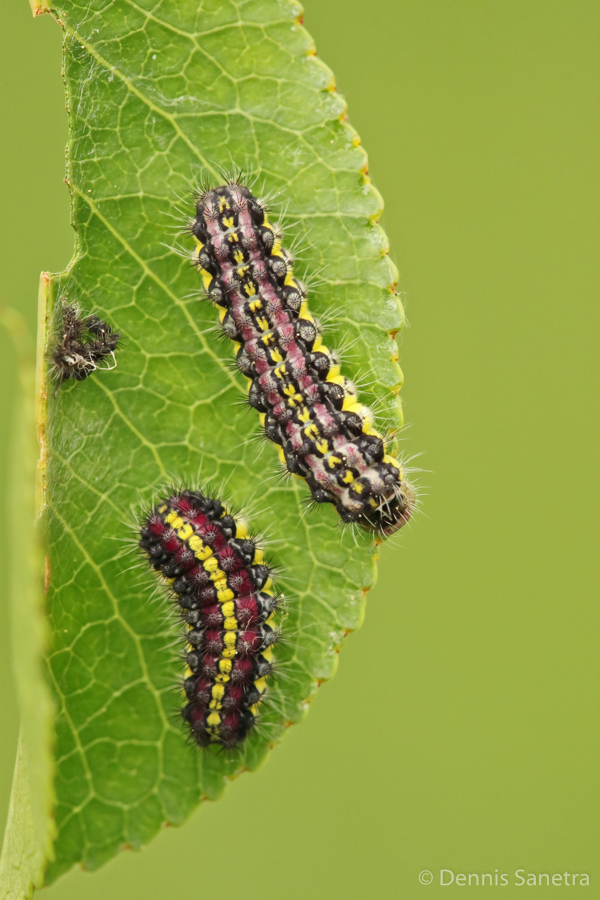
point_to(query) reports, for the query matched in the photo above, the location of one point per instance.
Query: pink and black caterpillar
(306, 406)
(222, 587)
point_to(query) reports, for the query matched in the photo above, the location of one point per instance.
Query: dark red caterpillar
(222, 587)
(306, 406)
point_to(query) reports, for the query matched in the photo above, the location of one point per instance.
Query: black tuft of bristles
(81, 343)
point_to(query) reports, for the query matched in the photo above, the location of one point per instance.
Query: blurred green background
(461, 730)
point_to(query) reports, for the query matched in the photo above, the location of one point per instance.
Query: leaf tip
(39, 7)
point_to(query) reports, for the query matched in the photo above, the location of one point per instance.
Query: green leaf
(161, 94)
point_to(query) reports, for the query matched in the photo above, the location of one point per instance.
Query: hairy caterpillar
(305, 405)
(81, 344)
(222, 586)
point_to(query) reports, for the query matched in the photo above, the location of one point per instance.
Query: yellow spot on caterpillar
(261, 685)
(230, 624)
(206, 279)
(392, 462)
(232, 238)
(258, 556)
(227, 594)
(213, 720)
(311, 431)
(263, 324)
(241, 530)
(333, 461)
(255, 304)
(211, 564)
(304, 415)
(250, 289)
(185, 532)
(203, 554)
(223, 204)
(348, 477)
(238, 256)
(281, 455)
(162, 509)
(322, 447)
(350, 404)
(195, 543)
(228, 222)
(229, 639)
(277, 357)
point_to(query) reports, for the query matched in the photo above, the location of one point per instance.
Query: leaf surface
(160, 95)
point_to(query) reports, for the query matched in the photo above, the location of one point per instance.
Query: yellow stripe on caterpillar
(186, 532)
(241, 530)
(261, 685)
(220, 580)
